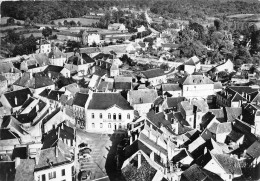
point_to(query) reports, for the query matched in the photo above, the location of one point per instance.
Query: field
(4, 20)
(84, 21)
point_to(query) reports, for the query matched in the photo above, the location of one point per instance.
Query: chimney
(56, 152)
(30, 75)
(171, 167)
(17, 161)
(139, 160)
(58, 96)
(49, 75)
(28, 96)
(15, 100)
(152, 156)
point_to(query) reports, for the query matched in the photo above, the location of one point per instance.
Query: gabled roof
(224, 128)
(142, 96)
(56, 53)
(6, 134)
(76, 60)
(229, 164)
(174, 101)
(87, 58)
(196, 144)
(25, 170)
(103, 56)
(153, 73)
(170, 87)
(55, 95)
(90, 50)
(42, 59)
(8, 67)
(53, 68)
(195, 80)
(108, 100)
(124, 83)
(34, 82)
(181, 155)
(192, 61)
(194, 172)
(2, 78)
(159, 120)
(17, 98)
(243, 89)
(80, 99)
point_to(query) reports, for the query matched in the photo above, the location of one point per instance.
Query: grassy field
(4, 20)
(84, 21)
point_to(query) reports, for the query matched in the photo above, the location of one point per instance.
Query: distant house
(90, 38)
(123, 83)
(10, 72)
(171, 90)
(79, 63)
(108, 112)
(140, 28)
(43, 46)
(142, 100)
(114, 70)
(169, 46)
(227, 66)
(196, 86)
(192, 65)
(15, 99)
(153, 76)
(36, 83)
(116, 27)
(56, 57)
(64, 35)
(55, 72)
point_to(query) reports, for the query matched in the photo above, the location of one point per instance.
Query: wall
(198, 90)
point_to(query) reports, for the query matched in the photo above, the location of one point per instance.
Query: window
(72, 170)
(128, 116)
(109, 125)
(109, 116)
(101, 125)
(119, 116)
(190, 120)
(114, 116)
(62, 172)
(43, 177)
(100, 115)
(93, 115)
(93, 125)
(120, 126)
(187, 88)
(52, 175)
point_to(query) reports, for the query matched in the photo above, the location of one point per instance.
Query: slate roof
(87, 58)
(37, 81)
(103, 56)
(170, 87)
(254, 150)
(206, 119)
(195, 80)
(25, 170)
(6, 134)
(53, 68)
(142, 96)
(159, 119)
(174, 101)
(196, 144)
(80, 99)
(181, 155)
(42, 59)
(7, 170)
(153, 73)
(108, 100)
(234, 135)
(123, 85)
(135, 146)
(55, 95)
(21, 96)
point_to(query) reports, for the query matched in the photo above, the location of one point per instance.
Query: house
(225, 166)
(192, 65)
(141, 28)
(55, 163)
(55, 72)
(70, 89)
(54, 118)
(153, 76)
(79, 108)
(35, 82)
(138, 162)
(65, 36)
(114, 70)
(90, 38)
(123, 83)
(113, 114)
(169, 46)
(57, 57)
(11, 73)
(251, 116)
(8, 140)
(43, 46)
(52, 97)
(227, 66)
(117, 27)
(253, 153)
(171, 90)
(196, 86)
(90, 51)
(223, 129)
(182, 157)
(235, 96)
(15, 99)
(79, 63)
(3, 84)
(142, 99)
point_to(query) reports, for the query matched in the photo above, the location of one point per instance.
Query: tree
(255, 42)
(10, 21)
(59, 24)
(79, 23)
(27, 22)
(46, 32)
(218, 24)
(73, 23)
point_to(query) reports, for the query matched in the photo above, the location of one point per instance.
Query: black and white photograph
(130, 90)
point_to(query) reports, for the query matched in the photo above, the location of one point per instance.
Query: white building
(107, 112)
(43, 47)
(117, 27)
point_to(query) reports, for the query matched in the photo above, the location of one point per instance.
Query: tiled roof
(233, 113)
(67, 33)
(90, 50)
(25, 170)
(108, 100)
(213, 127)
(34, 82)
(201, 105)
(196, 144)
(80, 99)
(42, 59)
(135, 146)
(224, 128)
(19, 95)
(54, 156)
(153, 73)
(2, 78)
(170, 45)
(195, 80)
(53, 68)
(6, 134)
(174, 101)
(8, 67)
(194, 172)
(234, 135)
(170, 87)
(158, 101)
(254, 150)
(217, 85)
(142, 96)
(229, 164)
